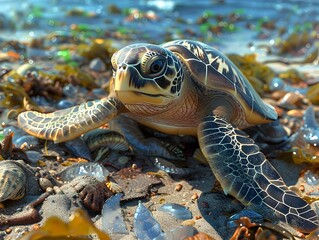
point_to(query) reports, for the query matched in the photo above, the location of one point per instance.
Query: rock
(97, 65)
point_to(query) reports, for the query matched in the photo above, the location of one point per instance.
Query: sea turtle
(187, 87)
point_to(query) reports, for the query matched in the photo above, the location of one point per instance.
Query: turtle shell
(213, 70)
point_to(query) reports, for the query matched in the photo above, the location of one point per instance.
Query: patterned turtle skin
(187, 87)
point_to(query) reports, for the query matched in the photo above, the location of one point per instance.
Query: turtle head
(147, 74)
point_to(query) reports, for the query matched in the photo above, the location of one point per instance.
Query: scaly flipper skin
(244, 172)
(67, 124)
(136, 139)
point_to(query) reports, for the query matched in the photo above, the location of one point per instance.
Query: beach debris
(246, 228)
(306, 140)
(108, 146)
(176, 210)
(199, 236)
(80, 169)
(172, 167)
(113, 186)
(28, 215)
(91, 191)
(184, 232)
(293, 100)
(134, 183)
(311, 178)
(26, 141)
(79, 148)
(79, 225)
(145, 226)
(112, 219)
(12, 180)
(106, 138)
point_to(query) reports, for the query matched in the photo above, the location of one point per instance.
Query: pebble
(195, 196)
(178, 187)
(188, 222)
(33, 156)
(28, 139)
(63, 104)
(57, 190)
(45, 183)
(97, 65)
(311, 178)
(49, 190)
(295, 113)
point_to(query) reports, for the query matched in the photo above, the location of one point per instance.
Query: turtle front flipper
(151, 147)
(244, 172)
(67, 124)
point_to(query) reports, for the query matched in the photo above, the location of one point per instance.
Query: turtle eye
(156, 66)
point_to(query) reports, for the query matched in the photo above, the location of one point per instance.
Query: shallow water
(29, 19)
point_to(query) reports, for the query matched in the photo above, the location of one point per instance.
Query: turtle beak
(130, 94)
(122, 77)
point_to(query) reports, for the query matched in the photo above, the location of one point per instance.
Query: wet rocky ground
(57, 55)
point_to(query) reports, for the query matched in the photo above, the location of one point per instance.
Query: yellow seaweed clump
(295, 41)
(15, 98)
(74, 75)
(258, 74)
(79, 227)
(99, 48)
(293, 76)
(313, 94)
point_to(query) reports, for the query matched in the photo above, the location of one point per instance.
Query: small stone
(188, 222)
(178, 187)
(302, 188)
(97, 65)
(195, 196)
(52, 172)
(49, 190)
(36, 227)
(198, 217)
(45, 183)
(8, 230)
(296, 113)
(56, 189)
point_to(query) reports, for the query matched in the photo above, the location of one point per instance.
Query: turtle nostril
(123, 66)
